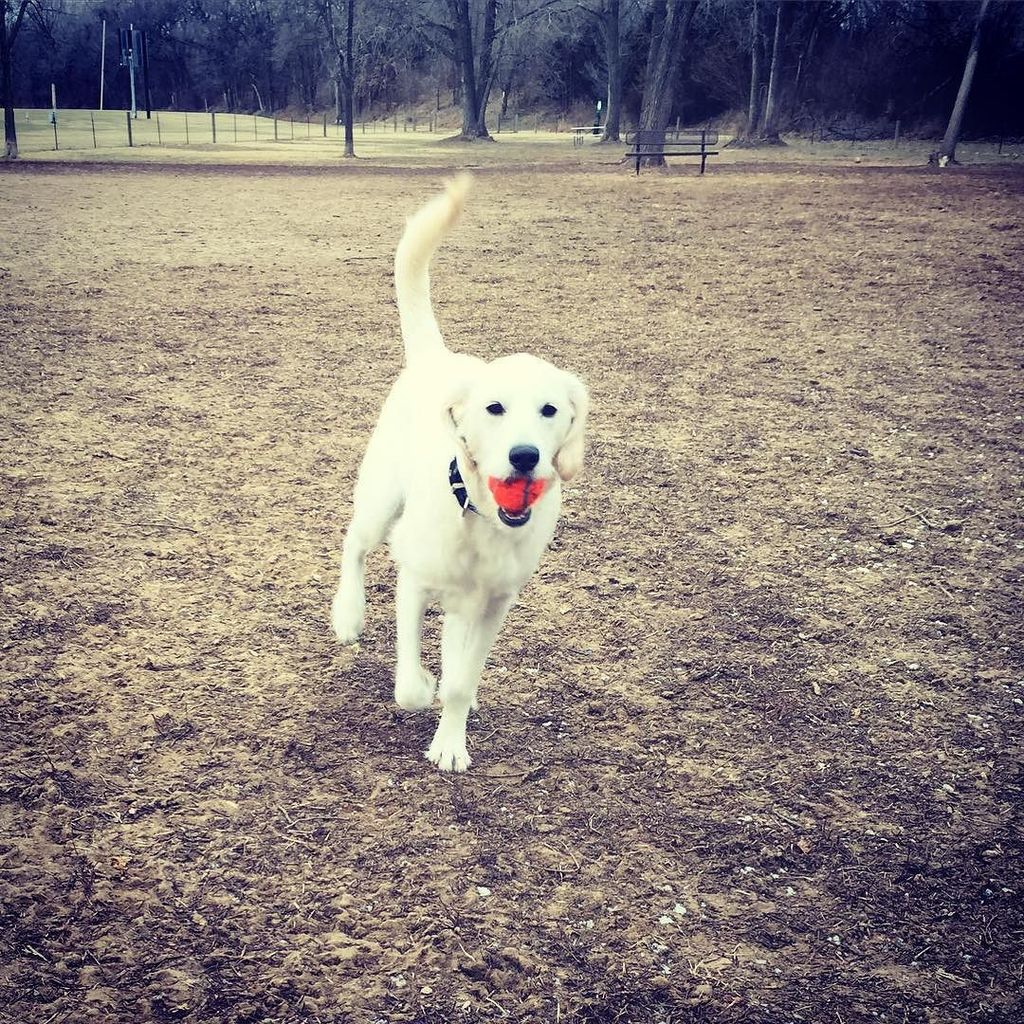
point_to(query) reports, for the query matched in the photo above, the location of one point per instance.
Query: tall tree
(763, 105)
(754, 108)
(472, 58)
(671, 21)
(341, 40)
(13, 14)
(476, 61)
(475, 41)
(610, 30)
(771, 107)
(947, 151)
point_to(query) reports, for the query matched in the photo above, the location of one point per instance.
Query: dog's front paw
(448, 756)
(347, 614)
(414, 688)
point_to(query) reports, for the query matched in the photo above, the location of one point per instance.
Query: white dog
(463, 475)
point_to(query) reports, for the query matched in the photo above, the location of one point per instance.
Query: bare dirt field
(749, 748)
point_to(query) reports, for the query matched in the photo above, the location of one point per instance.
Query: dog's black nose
(524, 457)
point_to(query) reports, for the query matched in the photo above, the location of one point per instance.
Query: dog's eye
(496, 408)
(548, 411)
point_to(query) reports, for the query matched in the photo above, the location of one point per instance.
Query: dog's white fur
(472, 564)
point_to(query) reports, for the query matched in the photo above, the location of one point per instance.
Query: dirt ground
(749, 749)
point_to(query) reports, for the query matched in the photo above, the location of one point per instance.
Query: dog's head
(519, 424)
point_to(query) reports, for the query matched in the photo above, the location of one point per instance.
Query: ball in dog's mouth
(514, 498)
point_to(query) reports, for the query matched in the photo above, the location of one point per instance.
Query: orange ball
(517, 495)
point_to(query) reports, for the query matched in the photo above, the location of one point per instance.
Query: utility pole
(103, 60)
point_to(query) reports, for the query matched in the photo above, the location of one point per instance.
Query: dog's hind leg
(414, 685)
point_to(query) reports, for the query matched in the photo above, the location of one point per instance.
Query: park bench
(672, 142)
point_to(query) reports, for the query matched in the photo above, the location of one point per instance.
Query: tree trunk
(10, 125)
(613, 58)
(473, 124)
(947, 151)
(485, 71)
(349, 80)
(7, 37)
(344, 68)
(754, 108)
(768, 130)
(658, 15)
(663, 61)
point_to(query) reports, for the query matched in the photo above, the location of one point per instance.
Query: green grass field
(188, 137)
(247, 138)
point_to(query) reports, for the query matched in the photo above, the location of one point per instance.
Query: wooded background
(844, 68)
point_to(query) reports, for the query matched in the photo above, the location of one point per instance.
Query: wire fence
(40, 130)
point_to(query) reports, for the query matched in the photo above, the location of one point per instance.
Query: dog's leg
(414, 685)
(454, 638)
(369, 527)
(465, 644)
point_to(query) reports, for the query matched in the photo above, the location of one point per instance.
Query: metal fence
(40, 130)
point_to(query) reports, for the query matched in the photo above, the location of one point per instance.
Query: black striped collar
(459, 488)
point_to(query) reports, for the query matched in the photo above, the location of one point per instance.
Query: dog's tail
(423, 234)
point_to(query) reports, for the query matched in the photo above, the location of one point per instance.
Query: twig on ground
(914, 514)
(160, 526)
(528, 775)
(291, 839)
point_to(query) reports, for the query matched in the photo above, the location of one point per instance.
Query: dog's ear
(569, 458)
(455, 395)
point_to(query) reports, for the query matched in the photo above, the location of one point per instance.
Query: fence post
(325, 126)
(159, 137)
(128, 119)
(56, 144)
(213, 125)
(896, 137)
(92, 121)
